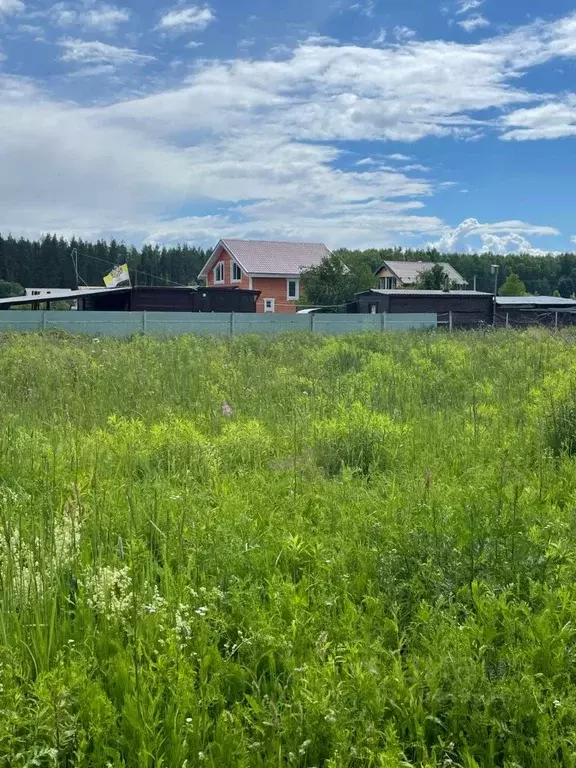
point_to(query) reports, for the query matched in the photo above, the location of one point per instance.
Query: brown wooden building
(468, 309)
(146, 298)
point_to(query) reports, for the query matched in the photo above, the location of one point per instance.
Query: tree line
(47, 263)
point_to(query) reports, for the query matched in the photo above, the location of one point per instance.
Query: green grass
(369, 561)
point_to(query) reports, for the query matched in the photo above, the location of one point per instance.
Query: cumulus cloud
(104, 18)
(403, 34)
(11, 6)
(473, 23)
(547, 121)
(180, 19)
(499, 237)
(96, 52)
(259, 142)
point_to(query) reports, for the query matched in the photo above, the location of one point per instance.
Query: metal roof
(268, 257)
(65, 296)
(408, 292)
(409, 271)
(535, 301)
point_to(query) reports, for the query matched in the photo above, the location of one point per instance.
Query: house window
(293, 290)
(373, 309)
(219, 272)
(236, 273)
(388, 283)
(269, 305)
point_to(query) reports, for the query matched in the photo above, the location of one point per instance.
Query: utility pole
(475, 284)
(495, 268)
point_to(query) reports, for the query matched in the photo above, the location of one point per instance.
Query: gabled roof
(409, 271)
(267, 257)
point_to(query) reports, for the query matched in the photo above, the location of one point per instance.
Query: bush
(357, 438)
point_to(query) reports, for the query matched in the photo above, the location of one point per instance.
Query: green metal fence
(174, 323)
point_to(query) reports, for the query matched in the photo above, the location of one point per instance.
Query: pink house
(273, 268)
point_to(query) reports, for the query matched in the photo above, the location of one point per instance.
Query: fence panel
(175, 323)
(93, 323)
(21, 320)
(269, 323)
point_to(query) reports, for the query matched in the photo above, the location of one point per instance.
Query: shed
(149, 299)
(469, 308)
(532, 310)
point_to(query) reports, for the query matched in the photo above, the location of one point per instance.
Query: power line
(134, 270)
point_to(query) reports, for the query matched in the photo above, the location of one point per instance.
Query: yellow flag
(118, 278)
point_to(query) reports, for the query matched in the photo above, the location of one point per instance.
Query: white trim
(273, 305)
(250, 282)
(216, 268)
(296, 297)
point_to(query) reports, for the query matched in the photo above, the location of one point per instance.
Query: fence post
(507, 320)
(556, 319)
(311, 322)
(144, 322)
(450, 322)
(43, 319)
(231, 323)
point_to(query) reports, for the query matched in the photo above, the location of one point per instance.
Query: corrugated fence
(229, 324)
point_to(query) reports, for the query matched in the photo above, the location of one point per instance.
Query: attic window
(219, 272)
(236, 273)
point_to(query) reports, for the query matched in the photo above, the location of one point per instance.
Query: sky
(358, 123)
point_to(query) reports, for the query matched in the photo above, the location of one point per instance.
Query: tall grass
(298, 551)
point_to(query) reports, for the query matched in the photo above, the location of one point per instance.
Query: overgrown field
(355, 551)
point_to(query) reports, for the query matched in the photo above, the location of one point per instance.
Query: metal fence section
(227, 324)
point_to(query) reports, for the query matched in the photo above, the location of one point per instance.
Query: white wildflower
(182, 621)
(202, 611)
(156, 604)
(304, 746)
(109, 591)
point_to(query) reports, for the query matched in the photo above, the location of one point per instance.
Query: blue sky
(355, 122)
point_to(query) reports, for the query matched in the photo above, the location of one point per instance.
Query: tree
(327, 284)
(565, 286)
(433, 279)
(9, 289)
(513, 286)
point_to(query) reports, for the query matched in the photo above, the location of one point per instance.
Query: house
(405, 274)
(272, 268)
(460, 309)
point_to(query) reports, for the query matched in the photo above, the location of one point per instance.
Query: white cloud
(365, 7)
(180, 20)
(415, 167)
(381, 37)
(104, 18)
(548, 121)
(96, 52)
(468, 5)
(403, 34)
(11, 6)
(473, 23)
(258, 141)
(499, 237)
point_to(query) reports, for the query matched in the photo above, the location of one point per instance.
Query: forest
(47, 262)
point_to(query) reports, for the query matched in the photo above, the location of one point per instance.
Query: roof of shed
(409, 271)
(405, 292)
(268, 257)
(535, 301)
(65, 296)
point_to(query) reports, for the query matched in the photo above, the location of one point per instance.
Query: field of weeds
(288, 552)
